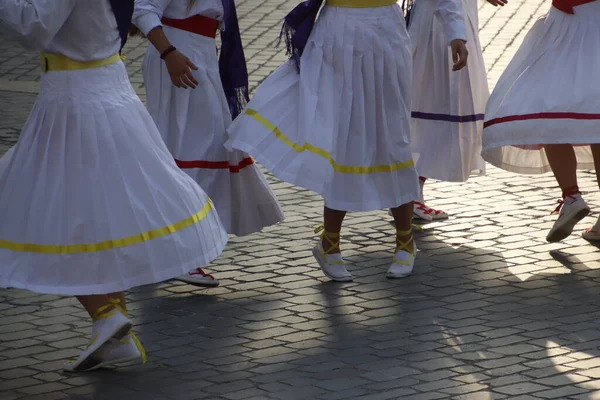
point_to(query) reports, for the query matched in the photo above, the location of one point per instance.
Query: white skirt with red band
(447, 106)
(193, 124)
(549, 94)
(340, 126)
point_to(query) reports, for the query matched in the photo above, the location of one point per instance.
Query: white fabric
(193, 124)
(448, 106)
(90, 167)
(348, 107)
(447, 13)
(148, 13)
(553, 71)
(52, 26)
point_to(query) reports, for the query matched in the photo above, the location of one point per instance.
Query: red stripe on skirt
(552, 115)
(216, 164)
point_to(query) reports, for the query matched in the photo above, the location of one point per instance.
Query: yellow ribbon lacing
(333, 238)
(404, 245)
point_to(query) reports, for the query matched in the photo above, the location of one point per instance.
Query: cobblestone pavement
(491, 312)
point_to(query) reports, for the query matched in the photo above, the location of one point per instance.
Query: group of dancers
(102, 194)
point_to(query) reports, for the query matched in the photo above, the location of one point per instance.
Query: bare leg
(403, 220)
(596, 154)
(122, 301)
(573, 208)
(92, 303)
(564, 165)
(333, 220)
(422, 181)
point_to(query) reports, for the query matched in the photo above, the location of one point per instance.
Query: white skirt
(193, 124)
(447, 106)
(340, 127)
(549, 94)
(91, 201)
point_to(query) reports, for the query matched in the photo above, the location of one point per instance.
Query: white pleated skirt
(193, 123)
(447, 106)
(340, 126)
(549, 94)
(91, 202)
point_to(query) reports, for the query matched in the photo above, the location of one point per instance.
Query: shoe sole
(392, 276)
(567, 228)
(198, 284)
(317, 257)
(114, 363)
(92, 361)
(594, 237)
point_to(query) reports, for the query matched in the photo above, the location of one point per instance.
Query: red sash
(197, 24)
(567, 5)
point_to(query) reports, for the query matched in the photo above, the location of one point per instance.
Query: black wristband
(165, 53)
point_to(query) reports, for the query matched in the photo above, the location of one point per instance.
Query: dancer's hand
(497, 3)
(459, 54)
(180, 69)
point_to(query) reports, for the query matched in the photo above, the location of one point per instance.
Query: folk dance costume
(193, 123)
(546, 97)
(447, 106)
(91, 201)
(335, 118)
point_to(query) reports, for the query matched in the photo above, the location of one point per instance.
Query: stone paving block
(520, 388)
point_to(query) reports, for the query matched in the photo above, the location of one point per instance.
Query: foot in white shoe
(572, 210)
(404, 257)
(109, 325)
(124, 351)
(332, 265)
(199, 278)
(592, 233)
(422, 212)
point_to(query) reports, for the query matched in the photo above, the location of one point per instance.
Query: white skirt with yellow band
(340, 126)
(91, 201)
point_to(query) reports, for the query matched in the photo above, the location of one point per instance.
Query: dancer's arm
(147, 17)
(452, 17)
(35, 22)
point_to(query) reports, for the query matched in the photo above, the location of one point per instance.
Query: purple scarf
(297, 26)
(232, 62)
(123, 10)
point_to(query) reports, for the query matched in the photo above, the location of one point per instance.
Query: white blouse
(148, 13)
(84, 30)
(450, 13)
(453, 19)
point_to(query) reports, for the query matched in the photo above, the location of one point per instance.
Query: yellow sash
(360, 3)
(58, 62)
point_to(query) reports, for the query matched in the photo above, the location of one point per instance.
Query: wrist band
(165, 53)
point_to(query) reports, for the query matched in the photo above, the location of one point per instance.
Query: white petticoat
(549, 94)
(91, 201)
(193, 124)
(447, 106)
(340, 127)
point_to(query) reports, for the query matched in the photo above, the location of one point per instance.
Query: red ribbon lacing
(427, 210)
(568, 192)
(200, 271)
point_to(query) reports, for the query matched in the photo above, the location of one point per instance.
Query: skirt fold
(340, 126)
